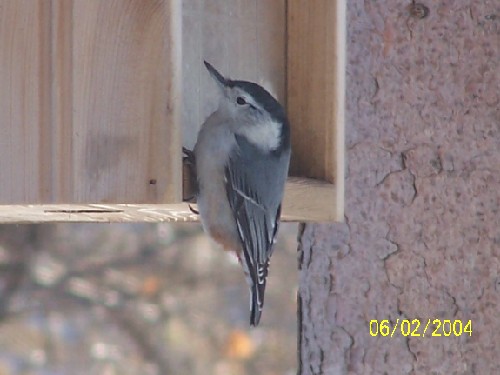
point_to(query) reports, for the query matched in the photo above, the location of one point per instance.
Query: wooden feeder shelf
(97, 99)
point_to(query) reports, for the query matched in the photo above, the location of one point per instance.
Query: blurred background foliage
(139, 299)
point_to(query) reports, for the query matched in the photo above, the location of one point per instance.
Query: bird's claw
(188, 157)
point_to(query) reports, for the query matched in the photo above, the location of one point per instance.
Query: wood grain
(24, 104)
(125, 102)
(316, 91)
(90, 101)
(309, 200)
(60, 126)
(305, 200)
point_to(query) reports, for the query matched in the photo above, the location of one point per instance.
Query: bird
(241, 160)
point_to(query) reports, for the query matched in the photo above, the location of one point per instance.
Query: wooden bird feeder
(98, 97)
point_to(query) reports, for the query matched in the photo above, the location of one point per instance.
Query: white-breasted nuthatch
(241, 157)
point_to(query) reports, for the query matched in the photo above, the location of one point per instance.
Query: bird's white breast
(266, 134)
(215, 143)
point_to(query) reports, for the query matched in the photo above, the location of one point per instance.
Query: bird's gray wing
(254, 185)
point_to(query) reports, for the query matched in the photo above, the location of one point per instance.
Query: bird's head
(252, 111)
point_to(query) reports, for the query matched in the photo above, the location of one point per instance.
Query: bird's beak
(216, 75)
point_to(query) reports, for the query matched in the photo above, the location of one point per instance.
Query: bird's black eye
(240, 100)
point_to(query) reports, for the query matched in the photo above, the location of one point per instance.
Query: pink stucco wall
(422, 233)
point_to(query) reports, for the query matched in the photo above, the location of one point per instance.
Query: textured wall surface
(422, 233)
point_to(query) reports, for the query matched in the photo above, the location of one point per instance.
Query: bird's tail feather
(256, 302)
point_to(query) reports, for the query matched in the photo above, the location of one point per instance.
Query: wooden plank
(316, 91)
(24, 105)
(100, 213)
(90, 101)
(305, 200)
(61, 126)
(126, 101)
(309, 200)
(339, 136)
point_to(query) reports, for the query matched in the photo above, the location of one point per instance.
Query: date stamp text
(420, 327)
